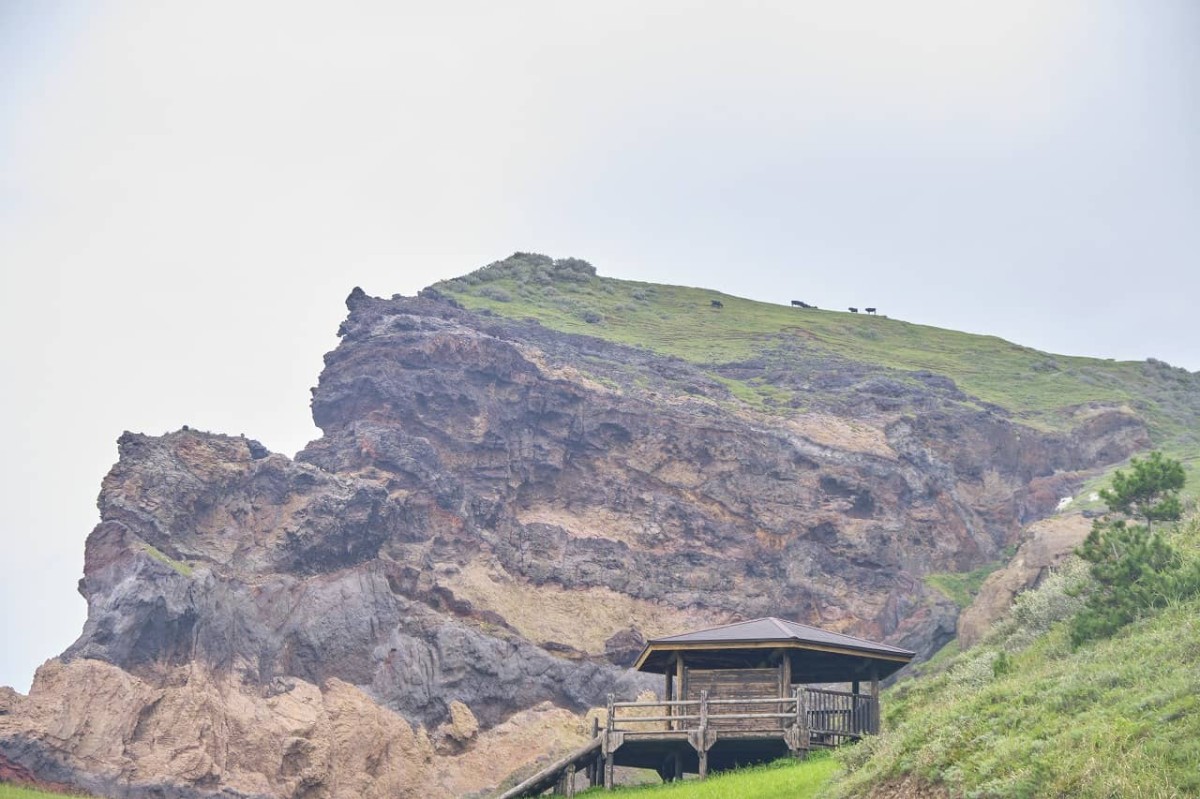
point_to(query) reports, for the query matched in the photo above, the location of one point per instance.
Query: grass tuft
(179, 566)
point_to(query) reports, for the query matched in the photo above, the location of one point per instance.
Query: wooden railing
(835, 717)
(829, 717)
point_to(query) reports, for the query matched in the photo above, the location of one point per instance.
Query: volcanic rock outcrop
(495, 518)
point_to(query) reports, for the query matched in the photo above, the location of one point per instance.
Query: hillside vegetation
(20, 792)
(1053, 392)
(782, 780)
(1025, 714)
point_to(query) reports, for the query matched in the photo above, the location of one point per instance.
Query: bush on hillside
(1036, 611)
(495, 293)
(528, 268)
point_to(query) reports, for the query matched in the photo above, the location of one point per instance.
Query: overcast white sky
(188, 192)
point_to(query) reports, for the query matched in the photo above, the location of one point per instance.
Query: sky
(189, 191)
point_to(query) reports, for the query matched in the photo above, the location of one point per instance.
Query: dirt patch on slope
(908, 788)
(1047, 544)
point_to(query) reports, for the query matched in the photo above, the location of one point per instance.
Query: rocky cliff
(496, 516)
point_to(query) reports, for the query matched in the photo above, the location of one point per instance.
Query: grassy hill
(1039, 389)
(1023, 714)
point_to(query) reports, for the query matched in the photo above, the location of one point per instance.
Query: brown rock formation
(494, 517)
(1049, 542)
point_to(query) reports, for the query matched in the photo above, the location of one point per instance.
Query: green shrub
(495, 293)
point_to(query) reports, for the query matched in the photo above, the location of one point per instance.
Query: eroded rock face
(1049, 542)
(494, 519)
(193, 733)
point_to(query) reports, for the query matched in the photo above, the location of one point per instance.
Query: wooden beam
(680, 676)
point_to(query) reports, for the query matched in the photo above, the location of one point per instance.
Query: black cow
(870, 310)
(853, 310)
(718, 304)
(800, 304)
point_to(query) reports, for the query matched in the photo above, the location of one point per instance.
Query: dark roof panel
(773, 629)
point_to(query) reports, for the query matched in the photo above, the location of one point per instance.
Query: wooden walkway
(694, 736)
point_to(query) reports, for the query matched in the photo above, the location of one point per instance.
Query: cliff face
(494, 519)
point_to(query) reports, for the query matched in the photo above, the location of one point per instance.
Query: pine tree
(1150, 491)
(1133, 567)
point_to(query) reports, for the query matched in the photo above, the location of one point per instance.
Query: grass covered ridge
(1050, 391)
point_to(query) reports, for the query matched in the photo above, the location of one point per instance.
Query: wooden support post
(608, 772)
(785, 684)
(702, 754)
(592, 769)
(667, 696)
(875, 717)
(860, 715)
(680, 677)
(570, 786)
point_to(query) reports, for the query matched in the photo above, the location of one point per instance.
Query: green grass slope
(1025, 715)
(1037, 388)
(782, 780)
(18, 792)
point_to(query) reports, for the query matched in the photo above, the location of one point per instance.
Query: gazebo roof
(817, 655)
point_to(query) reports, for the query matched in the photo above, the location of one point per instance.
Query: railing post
(593, 768)
(802, 736)
(702, 753)
(608, 753)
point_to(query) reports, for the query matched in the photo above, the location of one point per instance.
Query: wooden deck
(694, 736)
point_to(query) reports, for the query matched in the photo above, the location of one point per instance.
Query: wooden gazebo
(765, 657)
(741, 693)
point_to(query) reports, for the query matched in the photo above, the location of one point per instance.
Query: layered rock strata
(494, 519)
